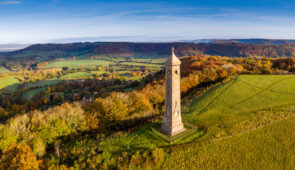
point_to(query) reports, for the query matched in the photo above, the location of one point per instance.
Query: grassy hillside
(270, 147)
(245, 123)
(240, 99)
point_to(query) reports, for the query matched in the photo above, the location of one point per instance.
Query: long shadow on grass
(263, 90)
(229, 84)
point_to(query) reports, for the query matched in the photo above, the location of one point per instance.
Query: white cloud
(10, 2)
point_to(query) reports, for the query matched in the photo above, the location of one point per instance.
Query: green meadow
(239, 99)
(245, 123)
(8, 84)
(142, 64)
(78, 75)
(269, 147)
(4, 70)
(78, 63)
(30, 94)
(42, 83)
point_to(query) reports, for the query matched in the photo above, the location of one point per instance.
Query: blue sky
(41, 21)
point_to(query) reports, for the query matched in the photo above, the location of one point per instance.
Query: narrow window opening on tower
(176, 72)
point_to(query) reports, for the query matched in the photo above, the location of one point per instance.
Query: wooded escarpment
(183, 49)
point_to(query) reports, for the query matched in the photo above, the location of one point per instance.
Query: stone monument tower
(172, 123)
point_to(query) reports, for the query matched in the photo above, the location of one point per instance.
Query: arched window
(176, 72)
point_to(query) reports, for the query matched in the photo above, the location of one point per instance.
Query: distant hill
(256, 41)
(12, 47)
(245, 41)
(232, 48)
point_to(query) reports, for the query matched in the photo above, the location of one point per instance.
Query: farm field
(159, 60)
(142, 64)
(78, 63)
(132, 77)
(78, 75)
(230, 135)
(4, 70)
(42, 83)
(30, 94)
(153, 61)
(8, 84)
(98, 73)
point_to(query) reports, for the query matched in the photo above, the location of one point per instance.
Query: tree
(7, 137)
(17, 156)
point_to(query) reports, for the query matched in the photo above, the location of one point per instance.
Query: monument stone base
(172, 130)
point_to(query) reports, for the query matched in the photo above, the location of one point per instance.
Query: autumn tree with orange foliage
(18, 156)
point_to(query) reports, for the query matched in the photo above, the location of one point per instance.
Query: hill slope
(239, 100)
(161, 49)
(246, 123)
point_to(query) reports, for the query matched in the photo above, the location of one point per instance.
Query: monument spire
(172, 123)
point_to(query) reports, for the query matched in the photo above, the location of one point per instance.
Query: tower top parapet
(173, 60)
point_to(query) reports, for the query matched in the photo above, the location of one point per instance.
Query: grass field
(246, 123)
(239, 99)
(3, 70)
(42, 83)
(78, 75)
(270, 147)
(78, 63)
(153, 61)
(159, 60)
(30, 94)
(142, 64)
(98, 73)
(8, 84)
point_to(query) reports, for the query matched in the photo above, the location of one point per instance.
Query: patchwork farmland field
(78, 75)
(42, 83)
(78, 63)
(142, 64)
(4, 70)
(8, 84)
(30, 94)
